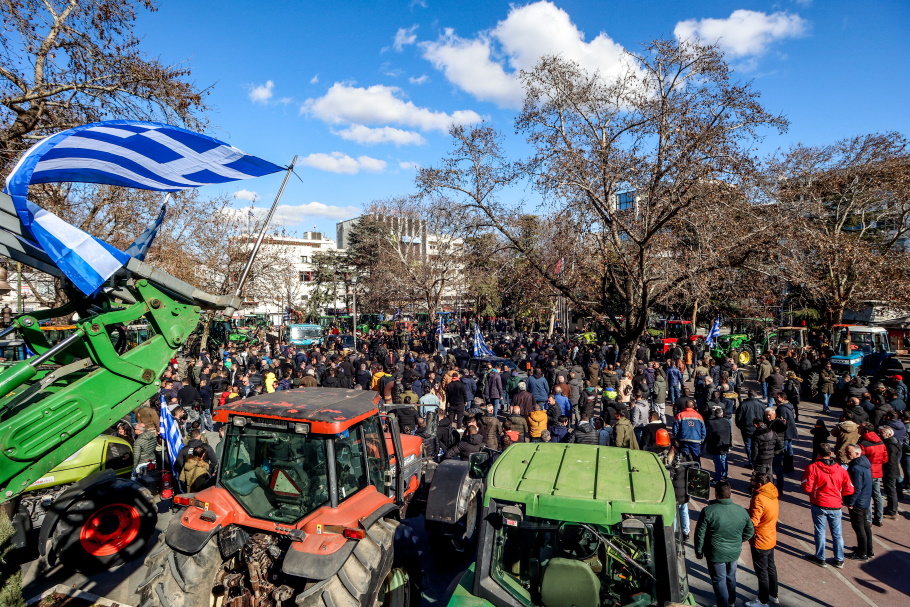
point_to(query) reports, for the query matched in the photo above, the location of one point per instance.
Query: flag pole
(265, 225)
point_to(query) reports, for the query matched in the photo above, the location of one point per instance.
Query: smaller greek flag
(140, 248)
(713, 334)
(439, 327)
(167, 427)
(397, 314)
(480, 346)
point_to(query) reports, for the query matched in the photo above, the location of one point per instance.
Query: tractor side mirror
(698, 483)
(477, 464)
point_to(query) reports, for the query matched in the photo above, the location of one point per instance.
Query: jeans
(206, 418)
(766, 572)
(720, 466)
(826, 403)
(496, 402)
(747, 445)
(764, 391)
(684, 517)
(723, 580)
(905, 469)
(862, 527)
(674, 393)
(605, 437)
(832, 518)
(877, 500)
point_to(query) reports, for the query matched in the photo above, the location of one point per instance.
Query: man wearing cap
(900, 387)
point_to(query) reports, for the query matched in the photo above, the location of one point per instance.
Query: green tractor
(565, 525)
(747, 339)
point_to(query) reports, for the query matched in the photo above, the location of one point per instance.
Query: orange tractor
(304, 510)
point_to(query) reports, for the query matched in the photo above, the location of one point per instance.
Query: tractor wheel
(179, 580)
(106, 527)
(367, 577)
(745, 356)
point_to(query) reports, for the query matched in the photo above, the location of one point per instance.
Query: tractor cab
(790, 339)
(862, 349)
(571, 525)
(672, 333)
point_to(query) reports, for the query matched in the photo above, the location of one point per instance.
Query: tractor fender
(451, 492)
(186, 540)
(79, 490)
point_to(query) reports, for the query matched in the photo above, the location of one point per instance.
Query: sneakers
(857, 557)
(774, 600)
(755, 603)
(814, 559)
(838, 564)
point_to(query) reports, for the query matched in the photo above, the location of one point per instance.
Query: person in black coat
(407, 417)
(446, 437)
(766, 444)
(748, 410)
(585, 433)
(648, 440)
(430, 444)
(471, 442)
(718, 441)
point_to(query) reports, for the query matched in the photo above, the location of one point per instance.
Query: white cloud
(285, 100)
(420, 80)
(262, 93)
(486, 66)
(408, 166)
(366, 135)
(744, 33)
(290, 214)
(404, 37)
(380, 104)
(246, 195)
(420, 3)
(314, 79)
(338, 162)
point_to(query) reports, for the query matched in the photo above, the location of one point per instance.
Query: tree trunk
(627, 355)
(694, 313)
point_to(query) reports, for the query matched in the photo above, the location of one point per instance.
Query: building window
(306, 276)
(304, 259)
(626, 200)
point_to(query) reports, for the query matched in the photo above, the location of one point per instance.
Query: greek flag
(480, 346)
(140, 247)
(713, 333)
(134, 154)
(167, 427)
(439, 327)
(397, 314)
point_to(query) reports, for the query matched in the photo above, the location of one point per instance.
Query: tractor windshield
(544, 562)
(676, 330)
(275, 475)
(863, 342)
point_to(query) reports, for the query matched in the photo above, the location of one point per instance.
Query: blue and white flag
(480, 346)
(140, 247)
(713, 333)
(167, 427)
(129, 153)
(397, 314)
(439, 327)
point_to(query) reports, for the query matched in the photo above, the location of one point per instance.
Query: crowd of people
(540, 389)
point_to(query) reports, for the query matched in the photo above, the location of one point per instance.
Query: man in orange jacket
(763, 510)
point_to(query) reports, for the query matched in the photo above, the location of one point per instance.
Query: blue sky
(363, 91)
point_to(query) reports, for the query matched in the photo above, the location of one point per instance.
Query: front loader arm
(53, 404)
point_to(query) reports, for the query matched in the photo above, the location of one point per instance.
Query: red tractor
(675, 332)
(303, 511)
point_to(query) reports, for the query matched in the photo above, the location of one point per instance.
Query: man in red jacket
(877, 454)
(827, 483)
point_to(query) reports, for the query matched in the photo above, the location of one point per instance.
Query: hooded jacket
(827, 483)
(623, 434)
(444, 435)
(860, 471)
(490, 429)
(585, 434)
(539, 388)
(537, 422)
(845, 433)
(194, 469)
(875, 450)
(785, 411)
(764, 510)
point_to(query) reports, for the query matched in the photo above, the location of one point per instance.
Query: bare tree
(645, 179)
(845, 216)
(70, 62)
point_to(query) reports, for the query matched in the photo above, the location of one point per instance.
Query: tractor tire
(179, 580)
(108, 526)
(745, 356)
(368, 577)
